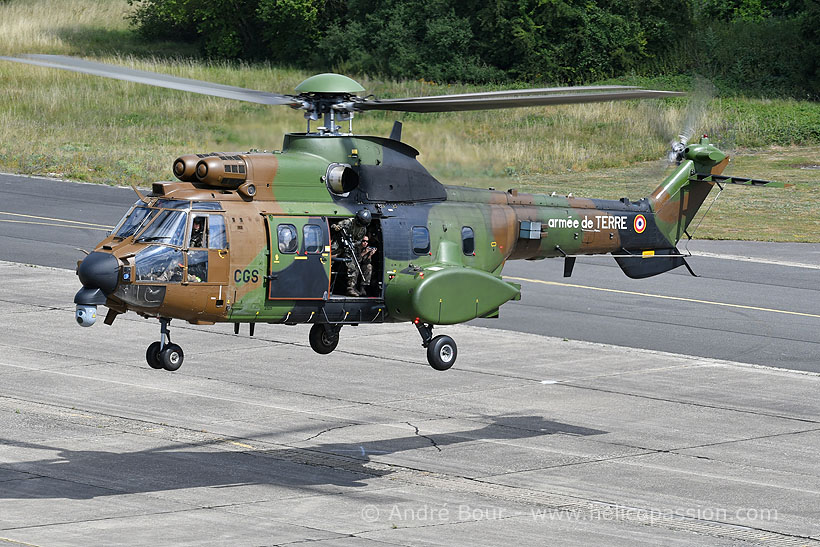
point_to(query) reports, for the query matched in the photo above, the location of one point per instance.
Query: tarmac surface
(259, 441)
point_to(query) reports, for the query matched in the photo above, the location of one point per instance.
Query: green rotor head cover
(329, 83)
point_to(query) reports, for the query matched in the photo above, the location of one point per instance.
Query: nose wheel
(164, 354)
(441, 350)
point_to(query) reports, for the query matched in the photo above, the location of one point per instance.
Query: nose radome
(100, 271)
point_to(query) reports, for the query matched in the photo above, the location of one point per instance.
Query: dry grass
(48, 25)
(95, 129)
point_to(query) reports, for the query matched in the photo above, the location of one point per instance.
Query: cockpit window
(199, 231)
(218, 239)
(168, 228)
(133, 221)
(159, 264)
(207, 205)
(208, 231)
(172, 204)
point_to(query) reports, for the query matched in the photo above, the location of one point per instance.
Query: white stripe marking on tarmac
(758, 260)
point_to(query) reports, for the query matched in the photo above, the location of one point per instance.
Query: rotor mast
(322, 95)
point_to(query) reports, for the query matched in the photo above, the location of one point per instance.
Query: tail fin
(676, 201)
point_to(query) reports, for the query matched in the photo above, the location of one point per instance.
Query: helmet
(363, 217)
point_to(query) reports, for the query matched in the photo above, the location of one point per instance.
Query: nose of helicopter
(99, 274)
(99, 271)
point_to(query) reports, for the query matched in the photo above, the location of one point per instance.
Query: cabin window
(468, 241)
(287, 238)
(314, 242)
(421, 240)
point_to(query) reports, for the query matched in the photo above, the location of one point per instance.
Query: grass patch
(94, 129)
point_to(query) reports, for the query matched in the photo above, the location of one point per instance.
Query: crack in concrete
(329, 429)
(432, 441)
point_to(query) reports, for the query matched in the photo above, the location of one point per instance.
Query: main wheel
(323, 340)
(171, 357)
(152, 356)
(442, 352)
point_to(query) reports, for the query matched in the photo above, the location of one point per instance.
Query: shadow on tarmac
(86, 474)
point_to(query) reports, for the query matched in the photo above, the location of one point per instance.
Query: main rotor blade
(152, 78)
(514, 92)
(431, 104)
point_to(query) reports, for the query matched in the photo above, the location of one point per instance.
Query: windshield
(169, 227)
(133, 221)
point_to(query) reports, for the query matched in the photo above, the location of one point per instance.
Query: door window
(198, 266)
(314, 242)
(287, 238)
(199, 232)
(216, 232)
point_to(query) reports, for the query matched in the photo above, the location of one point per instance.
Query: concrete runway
(259, 441)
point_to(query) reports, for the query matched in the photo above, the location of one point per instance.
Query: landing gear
(324, 337)
(171, 357)
(152, 355)
(164, 354)
(441, 350)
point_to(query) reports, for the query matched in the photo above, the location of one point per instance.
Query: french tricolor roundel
(640, 224)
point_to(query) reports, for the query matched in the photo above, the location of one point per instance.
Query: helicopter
(278, 237)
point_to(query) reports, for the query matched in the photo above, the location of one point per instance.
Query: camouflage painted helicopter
(267, 237)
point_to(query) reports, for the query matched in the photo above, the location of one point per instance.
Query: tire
(323, 340)
(152, 356)
(442, 352)
(171, 357)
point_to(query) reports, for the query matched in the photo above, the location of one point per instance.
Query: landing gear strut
(164, 354)
(324, 337)
(441, 350)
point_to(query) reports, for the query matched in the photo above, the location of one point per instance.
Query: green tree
(810, 34)
(765, 47)
(432, 39)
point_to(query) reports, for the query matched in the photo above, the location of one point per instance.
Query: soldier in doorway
(365, 254)
(355, 230)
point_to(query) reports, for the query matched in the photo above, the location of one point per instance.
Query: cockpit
(178, 235)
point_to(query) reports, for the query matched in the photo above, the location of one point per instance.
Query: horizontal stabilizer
(650, 263)
(708, 177)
